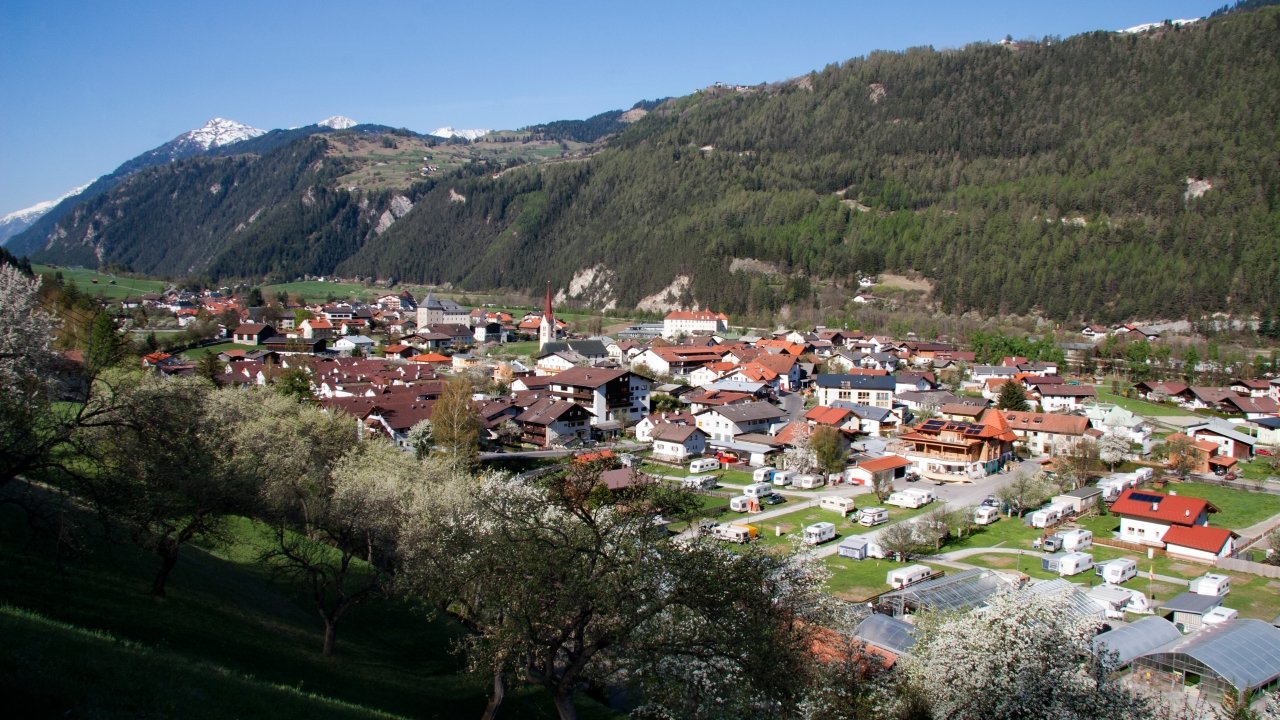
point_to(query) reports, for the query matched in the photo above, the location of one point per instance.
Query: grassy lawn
(1027, 564)
(1007, 532)
(1258, 469)
(197, 353)
(1141, 407)
(83, 639)
(93, 282)
(856, 580)
(794, 523)
(516, 349)
(1239, 508)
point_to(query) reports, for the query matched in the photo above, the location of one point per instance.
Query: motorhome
(873, 516)
(905, 499)
(782, 477)
(757, 490)
(908, 575)
(735, 533)
(819, 533)
(702, 465)
(985, 515)
(1116, 571)
(1211, 584)
(837, 504)
(808, 482)
(698, 482)
(1049, 515)
(763, 475)
(742, 503)
(1066, 564)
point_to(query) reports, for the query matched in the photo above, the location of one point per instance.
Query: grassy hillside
(83, 639)
(105, 285)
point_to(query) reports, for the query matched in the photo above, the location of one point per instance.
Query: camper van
(698, 482)
(985, 515)
(869, 517)
(819, 533)
(1048, 515)
(1117, 571)
(735, 533)
(1066, 564)
(742, 503)
(763, 475)
(702, 465)
(908, 575)
(808, 482)
(757, 490)
(1211, 584)
(782, 477)
(837, 504)
(905, 499)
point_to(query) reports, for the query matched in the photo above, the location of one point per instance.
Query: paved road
(793, 405)
(616, 447)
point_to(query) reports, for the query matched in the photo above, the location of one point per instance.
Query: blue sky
(88, 85)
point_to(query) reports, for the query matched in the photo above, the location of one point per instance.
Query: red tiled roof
(1198, 537)
(696, 315)
(824, 415)
(1172, 509)
(887, 462)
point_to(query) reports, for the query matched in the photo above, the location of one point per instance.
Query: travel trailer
(1219, 615)
(837, 504)
(1115, 601)
(1066, 564)
(819, 533)
(1049, 515)
(698, 482)
(904, 499)
(757, 490)
(1116, 571)
(985, 515)
(1068, 541)
(808, 482)
(782, 477)
(925, 494)
(908, 575)
(742, 503)
(735, 533)
(873, 516)
(763, 475)
(702, 465)
(1211, 584)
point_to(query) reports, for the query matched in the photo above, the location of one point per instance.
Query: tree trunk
(168, 552)
(330, 635)
(564, 705)
(496, 697)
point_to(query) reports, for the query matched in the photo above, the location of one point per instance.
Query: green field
(1141, 407)
(857, 580)
(527, 348)
(1238, 508)
(110, 287)
(197, 353)
(83, 639)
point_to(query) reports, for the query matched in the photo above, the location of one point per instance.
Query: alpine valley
(1106, 175)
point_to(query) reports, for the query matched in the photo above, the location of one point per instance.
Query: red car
(1265, 451)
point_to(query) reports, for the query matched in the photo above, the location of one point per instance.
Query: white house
(644, 428)
(678, 442)
(875, 390)
(608, 394)
(1065, 398)
(348, 344)
(887, 468)
(728, 421)
(1146, 516)
(1199, 542)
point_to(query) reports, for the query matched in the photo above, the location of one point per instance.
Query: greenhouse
(965, 590)
(1130, 641)
(1230, 658)
(889, 633)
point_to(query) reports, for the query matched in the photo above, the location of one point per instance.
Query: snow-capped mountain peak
(19, 220)
(1149, 26)
(218, 132)
(449, 132)
(338, 122)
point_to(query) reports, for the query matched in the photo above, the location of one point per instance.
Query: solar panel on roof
(973, 430)
(1145, 497)
(933, 425)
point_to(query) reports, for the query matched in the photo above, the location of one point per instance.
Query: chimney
(1155, 506)
(1186, 513)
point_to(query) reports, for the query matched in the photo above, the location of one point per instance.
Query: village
(922, 479)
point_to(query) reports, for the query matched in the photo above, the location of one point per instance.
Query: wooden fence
(1131, 547)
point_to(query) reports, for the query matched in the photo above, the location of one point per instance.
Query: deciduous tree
(455, 424)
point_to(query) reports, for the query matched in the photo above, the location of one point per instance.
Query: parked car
(991, 501)
(1264, 451)
(774, 499)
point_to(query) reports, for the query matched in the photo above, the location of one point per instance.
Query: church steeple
(547, 328)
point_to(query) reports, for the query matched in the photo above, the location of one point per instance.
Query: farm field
(105, 285)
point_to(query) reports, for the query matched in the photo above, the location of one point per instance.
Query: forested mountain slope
(1103, 176)
(1048, 177)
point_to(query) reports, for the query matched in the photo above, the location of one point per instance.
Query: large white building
(693, 322)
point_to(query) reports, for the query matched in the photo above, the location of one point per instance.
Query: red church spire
(546, 308)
